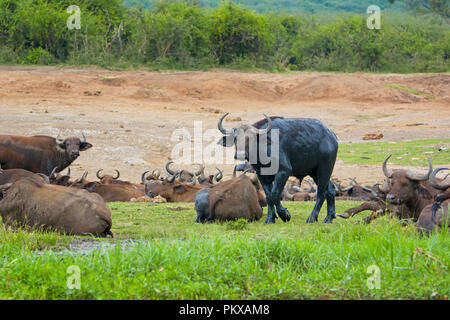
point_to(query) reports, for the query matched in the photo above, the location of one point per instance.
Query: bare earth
(130, 116)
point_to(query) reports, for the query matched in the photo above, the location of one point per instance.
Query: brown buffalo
(40, 154)
(12, 175)
(293, 192)
(60, 179)
(173, 190)
(237, 198)
(184, 176)
(210, 180)
(411, 190)
(120, 192)
(67, 210)
(114, 192)
(435, 216)
(107, 179)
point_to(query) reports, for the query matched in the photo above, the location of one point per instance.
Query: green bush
(176, 34)
(38, 56)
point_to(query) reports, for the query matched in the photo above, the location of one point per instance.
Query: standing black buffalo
(305, 147)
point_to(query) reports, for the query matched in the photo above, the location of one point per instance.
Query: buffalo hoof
(285, 215)
(328, 219)
(311, 219)
(270, 220)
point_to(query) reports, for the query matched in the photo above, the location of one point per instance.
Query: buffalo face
(403, 184)
(72, 146)
(244, 138)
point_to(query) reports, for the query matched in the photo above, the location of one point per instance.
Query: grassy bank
(413, 152)
(183, 260)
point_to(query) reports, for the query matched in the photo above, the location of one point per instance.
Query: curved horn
(201, 170)
(117, 176)
(311, 187)
(170, 171)
(58, 140)
(354, 182)
(234, 171)
(194, 180)
(344, 190)
(386, 171)
(143, 177)
(43, 176)
(52, 174)
(83, 176)
(372, 190)
(420, 177)
(217, 177)
(173, 177)
(84, 137)
(435, 183)
(220, 125)
(290, 196)
(98, 174)
(68, 172)
(264, 131)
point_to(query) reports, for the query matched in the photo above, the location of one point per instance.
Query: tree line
(184, 35)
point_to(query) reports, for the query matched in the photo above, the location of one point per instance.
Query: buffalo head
(72, 146)
(244, 137)
(403, 184)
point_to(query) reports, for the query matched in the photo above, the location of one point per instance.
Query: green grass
(414, 152)
(238, 260)
(410, 90)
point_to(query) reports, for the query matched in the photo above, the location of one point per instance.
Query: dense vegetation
(185, 35)
(312, 6)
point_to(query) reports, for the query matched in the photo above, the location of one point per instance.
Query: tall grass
(213, 261)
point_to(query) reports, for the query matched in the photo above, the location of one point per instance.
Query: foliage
(184, 35)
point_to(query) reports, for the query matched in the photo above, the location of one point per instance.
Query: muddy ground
(130, 116)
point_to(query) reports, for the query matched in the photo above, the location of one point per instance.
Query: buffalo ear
(85, 145)
(91, 186)
(226, 141)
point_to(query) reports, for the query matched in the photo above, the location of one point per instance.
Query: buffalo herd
(36, 190)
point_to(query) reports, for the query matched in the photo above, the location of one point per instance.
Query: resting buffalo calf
(40, 154)
(237, 198)
(66, 210)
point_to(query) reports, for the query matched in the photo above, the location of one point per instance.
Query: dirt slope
(130, 116)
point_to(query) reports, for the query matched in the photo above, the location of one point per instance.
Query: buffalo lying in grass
(233, 199)
(70, 211)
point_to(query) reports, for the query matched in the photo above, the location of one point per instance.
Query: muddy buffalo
(305, 147)
(70, 211)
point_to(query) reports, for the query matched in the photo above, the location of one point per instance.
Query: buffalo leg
(267, 184)
(322, 179)
(331, 210)
(277, 189)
